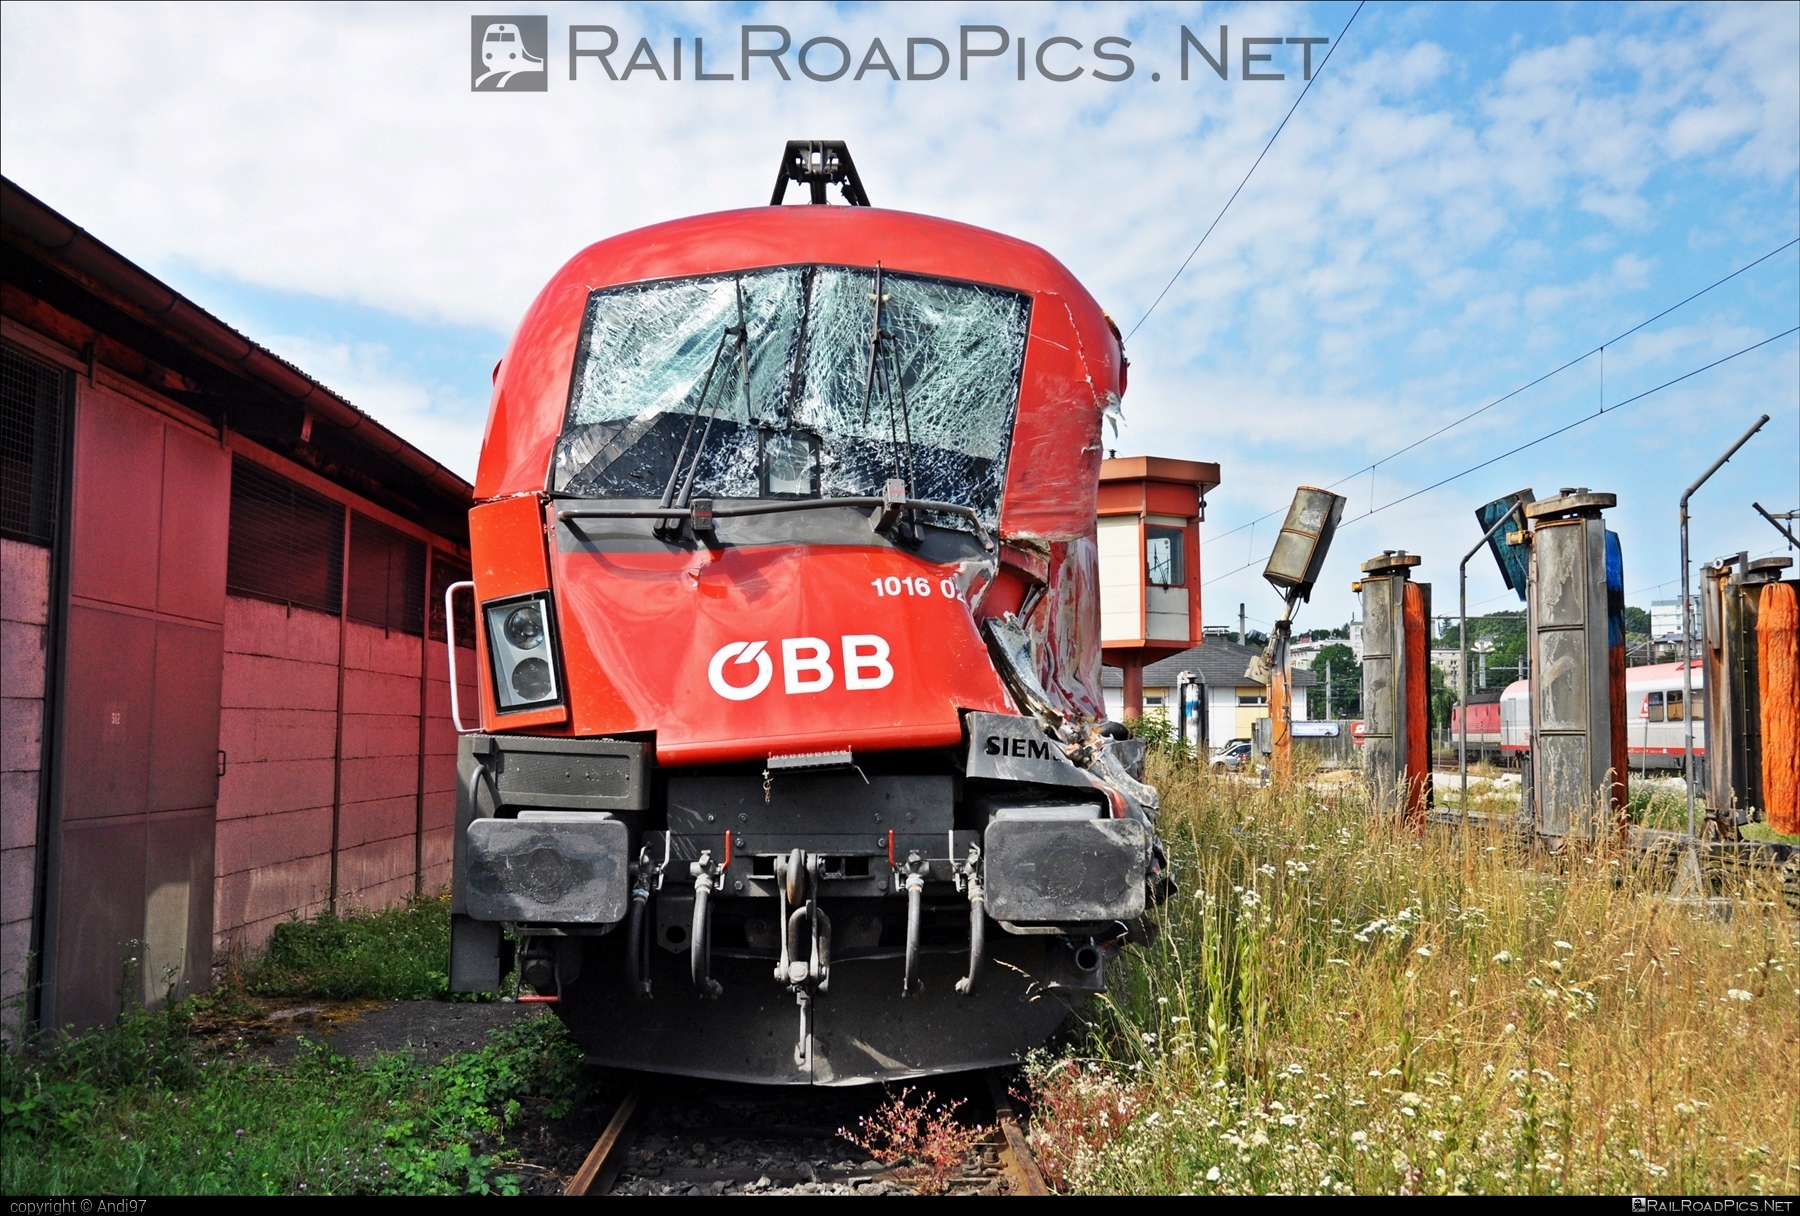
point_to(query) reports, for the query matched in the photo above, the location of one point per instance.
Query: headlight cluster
(522, 645)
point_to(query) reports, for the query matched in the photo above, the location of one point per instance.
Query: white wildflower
(1503, 958)
(1737, 994)
(1212, 1175)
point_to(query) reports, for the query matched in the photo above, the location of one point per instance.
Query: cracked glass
(747, 377)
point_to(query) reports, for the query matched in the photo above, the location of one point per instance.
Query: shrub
(932, 1140)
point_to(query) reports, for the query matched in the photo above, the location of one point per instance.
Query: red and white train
(1656, 724)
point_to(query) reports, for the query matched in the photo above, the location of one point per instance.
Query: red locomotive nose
(768, 503)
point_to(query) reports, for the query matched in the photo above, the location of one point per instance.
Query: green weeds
(396, 954)
(1336, 1006)
(209, 1122)
(157, 1104)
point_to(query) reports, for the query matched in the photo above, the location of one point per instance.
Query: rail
(604, 1161)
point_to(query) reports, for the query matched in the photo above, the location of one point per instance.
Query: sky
(1466, 198)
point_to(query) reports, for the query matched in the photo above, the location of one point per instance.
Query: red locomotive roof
(1072, 360)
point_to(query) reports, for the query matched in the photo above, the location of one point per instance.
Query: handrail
(450, 646)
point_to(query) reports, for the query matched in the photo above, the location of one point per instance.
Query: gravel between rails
(711, 1138)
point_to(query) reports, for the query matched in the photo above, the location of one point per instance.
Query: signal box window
(1163, 557)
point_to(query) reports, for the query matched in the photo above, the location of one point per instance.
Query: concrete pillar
(1577, 698)
(1396, 735)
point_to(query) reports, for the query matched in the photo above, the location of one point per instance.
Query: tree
(1637, 623)
(1506, 662)
(1346, 680)
(1441, 696)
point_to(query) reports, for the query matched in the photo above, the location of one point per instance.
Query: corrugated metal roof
(95, 267)
(1218, 663)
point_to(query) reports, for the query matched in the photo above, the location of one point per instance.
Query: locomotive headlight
(525, 627)
(522, 650)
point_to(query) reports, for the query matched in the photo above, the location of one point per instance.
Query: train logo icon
(507, 54)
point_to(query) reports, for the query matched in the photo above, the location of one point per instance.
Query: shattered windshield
(795, 382)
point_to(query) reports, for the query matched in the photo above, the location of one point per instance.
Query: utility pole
(1330, 715)
(1243, 634)
(1687, 631)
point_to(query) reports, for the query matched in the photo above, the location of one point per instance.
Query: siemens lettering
(1023, 749)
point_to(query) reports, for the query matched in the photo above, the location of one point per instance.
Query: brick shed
(225, 689)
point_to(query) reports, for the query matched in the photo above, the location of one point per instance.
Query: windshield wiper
(878, 338)
(741, 332)
(887, 507)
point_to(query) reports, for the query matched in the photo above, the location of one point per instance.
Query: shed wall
(278, 726)
(24, 613)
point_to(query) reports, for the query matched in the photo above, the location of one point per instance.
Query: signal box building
(222, 584)
(1148, 535)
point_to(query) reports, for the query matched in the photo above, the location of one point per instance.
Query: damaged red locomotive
(791, 764)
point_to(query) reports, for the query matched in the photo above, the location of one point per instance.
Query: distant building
(1302, 651)
(1665, 618)
(1449, 661)
(1233, 700)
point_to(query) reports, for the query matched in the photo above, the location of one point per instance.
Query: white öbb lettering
(805, 666)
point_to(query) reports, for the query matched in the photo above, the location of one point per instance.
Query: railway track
(669, 1136)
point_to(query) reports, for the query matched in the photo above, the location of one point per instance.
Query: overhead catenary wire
(1561, 430)
(1180, 270)
(1617, 338)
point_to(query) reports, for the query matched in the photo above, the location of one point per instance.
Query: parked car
(1233, 756)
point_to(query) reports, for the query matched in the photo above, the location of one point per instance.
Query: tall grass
(1334, 1005)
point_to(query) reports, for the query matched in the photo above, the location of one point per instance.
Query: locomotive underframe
(840, 907)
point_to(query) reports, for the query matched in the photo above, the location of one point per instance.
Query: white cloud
(441, 422)
(1429, 231)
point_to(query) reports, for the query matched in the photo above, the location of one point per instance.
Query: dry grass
(1335, 1006)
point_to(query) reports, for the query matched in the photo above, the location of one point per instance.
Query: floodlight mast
(1293, 567)
(1462, 638)
(1687, 628)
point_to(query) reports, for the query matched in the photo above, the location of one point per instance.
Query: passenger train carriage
(789, 763)
(1655, 723)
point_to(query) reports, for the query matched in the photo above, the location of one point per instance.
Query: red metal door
(137, 765)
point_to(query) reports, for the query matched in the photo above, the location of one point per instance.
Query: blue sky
(1468, 197)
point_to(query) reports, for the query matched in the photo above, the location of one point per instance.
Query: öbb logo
(805, 666)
